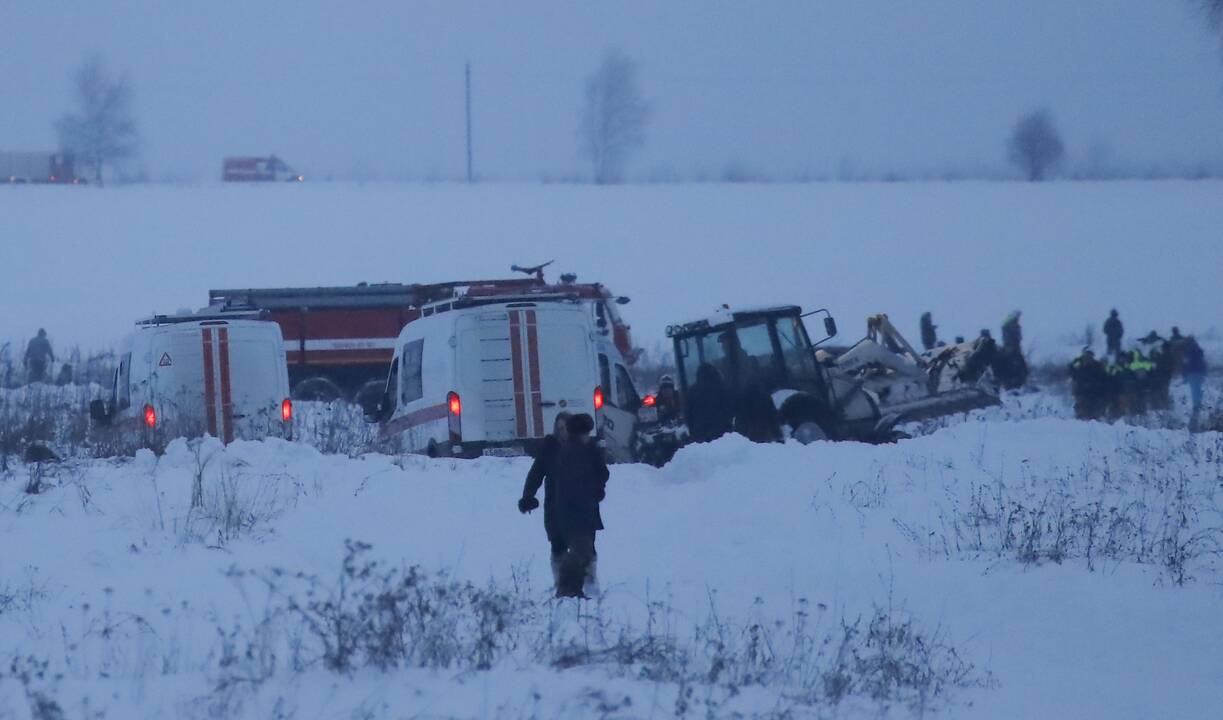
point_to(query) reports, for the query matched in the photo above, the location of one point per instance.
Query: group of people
(1133, 381)
(1007, 361)
(570, 467)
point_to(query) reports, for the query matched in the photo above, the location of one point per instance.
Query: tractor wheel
(808, 432)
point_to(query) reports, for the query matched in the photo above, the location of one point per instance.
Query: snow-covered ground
(85, 262)
(1070, 567)
(1007, 563)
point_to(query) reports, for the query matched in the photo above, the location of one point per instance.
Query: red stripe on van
(537, 408)
(210, 382)
(413, 419)
(227, 406)
(520, 399)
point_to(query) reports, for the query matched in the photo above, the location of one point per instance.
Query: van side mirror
(622, 300)
(830, 326)
(99, 412)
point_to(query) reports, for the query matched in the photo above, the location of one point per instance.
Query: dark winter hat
(581, 424)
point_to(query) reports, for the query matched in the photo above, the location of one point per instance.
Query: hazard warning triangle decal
(165, 360)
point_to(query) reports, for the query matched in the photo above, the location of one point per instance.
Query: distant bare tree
(1035, 145)
(101, 130)
(614, 117)
(1214, 12)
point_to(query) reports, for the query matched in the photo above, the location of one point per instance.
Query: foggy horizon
(784, 91)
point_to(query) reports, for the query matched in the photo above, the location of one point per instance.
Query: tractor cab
(730, 360)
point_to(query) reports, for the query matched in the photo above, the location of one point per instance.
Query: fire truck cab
(489, 376)
(192, 375)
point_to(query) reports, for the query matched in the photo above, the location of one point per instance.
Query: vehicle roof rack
(206, 315)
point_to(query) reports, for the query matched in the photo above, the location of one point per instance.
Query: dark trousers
(572, 554)
(38, 372)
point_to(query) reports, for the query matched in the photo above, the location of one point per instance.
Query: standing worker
(929, 338)
(1089, 385)
(1193, 367)
(1113, 330)
(574, 475)
(38, 356)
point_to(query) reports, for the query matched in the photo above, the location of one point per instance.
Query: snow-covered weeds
(1158, 503)
(385, 618)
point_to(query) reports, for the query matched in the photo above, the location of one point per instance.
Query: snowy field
(1008, 563)
(1015, 564)
(85, 262)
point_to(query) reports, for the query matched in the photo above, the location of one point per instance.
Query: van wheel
(318, 389)
(808, 432)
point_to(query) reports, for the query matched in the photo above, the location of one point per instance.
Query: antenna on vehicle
(536, 270)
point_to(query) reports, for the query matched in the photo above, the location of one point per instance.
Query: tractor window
(412, 387)
(710, 349)
(795, 350)
(757, 359)
(626, 394)
(123, 381)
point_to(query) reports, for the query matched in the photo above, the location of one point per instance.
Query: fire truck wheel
(369, 395)
(318, 389)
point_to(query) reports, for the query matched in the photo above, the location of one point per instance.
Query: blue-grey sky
(374, 89)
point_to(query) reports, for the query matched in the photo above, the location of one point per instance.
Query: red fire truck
(258, 169)
(339, 340)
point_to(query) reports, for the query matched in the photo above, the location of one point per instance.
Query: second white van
(222, 375)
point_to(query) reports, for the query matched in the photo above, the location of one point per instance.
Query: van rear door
(533, 363)
(256, 362)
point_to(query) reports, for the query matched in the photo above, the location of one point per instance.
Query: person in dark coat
(1193, 367)
(1012, 334)
(38, 356)
(1175, 347)
(1113, 331)
(1089, 385)
(929, 336)
(710, 407)
(667, 400)
(542, 474)
(574, 475)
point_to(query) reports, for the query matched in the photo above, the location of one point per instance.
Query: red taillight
(649, 401)
(455, 419)
(286, 410)
(598, 398)
(150, 416)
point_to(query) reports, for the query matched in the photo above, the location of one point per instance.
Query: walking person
(573, 473)
(38, 357)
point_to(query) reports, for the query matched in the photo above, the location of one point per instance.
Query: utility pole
(467, 74)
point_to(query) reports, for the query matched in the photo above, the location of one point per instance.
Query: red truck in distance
(258, 169)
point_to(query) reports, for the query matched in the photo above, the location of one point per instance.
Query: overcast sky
(374, 89)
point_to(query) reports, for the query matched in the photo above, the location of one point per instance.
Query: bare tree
(101, 130)
(1035, 145)
(1214, 12)
(614, 116)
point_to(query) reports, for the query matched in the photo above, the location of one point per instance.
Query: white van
(192, 375)
(490, 379)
